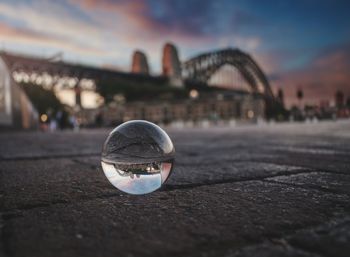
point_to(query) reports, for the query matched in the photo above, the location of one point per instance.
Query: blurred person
(53, 124)
(74, 122)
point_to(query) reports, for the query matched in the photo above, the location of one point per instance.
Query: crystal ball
(137, 157)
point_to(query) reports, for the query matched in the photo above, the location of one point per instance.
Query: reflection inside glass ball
(138, 157)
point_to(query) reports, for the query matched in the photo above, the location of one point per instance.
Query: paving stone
(67, 180)
(271, 250)
(324, 181)
(332, 239)
(28, 183)
(280, 190)
(333, 163)
(216, 171)
(24, 145)
(229, 171)
(210, 219)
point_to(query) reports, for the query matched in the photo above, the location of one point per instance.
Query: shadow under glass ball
(137, 157)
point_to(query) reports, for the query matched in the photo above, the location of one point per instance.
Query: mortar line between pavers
(45, 157)
(314, 187)
(305, 167)
(227, 181)
(264, 161)
(11, 213)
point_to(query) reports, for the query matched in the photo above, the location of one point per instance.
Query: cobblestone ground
(281, 190)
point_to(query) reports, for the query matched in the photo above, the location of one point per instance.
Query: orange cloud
(12, 32)
(22, 35)
(50, 24)
(325, 75)
(140, 23)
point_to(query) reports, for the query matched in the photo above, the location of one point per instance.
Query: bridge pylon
(171, 65)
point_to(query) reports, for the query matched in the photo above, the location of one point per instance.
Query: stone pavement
(281, 190)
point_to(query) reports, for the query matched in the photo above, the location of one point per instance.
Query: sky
(298, 44)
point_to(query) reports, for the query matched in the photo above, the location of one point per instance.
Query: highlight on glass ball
(138, 157)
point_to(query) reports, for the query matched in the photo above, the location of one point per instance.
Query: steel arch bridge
(203, 66)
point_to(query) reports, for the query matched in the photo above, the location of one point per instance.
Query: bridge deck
(273, 191)
(31, 64)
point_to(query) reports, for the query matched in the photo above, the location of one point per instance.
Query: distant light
(39, 80)
(25, 78)
(43, 117)
(194, 93)
(220, 97)
(250, 114)
(119, 98)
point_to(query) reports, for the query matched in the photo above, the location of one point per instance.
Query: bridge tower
(139, 63)
(171, 65)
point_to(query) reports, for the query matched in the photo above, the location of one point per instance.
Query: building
(212, 107)
(16, 110)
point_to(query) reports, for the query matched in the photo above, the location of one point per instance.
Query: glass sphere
(137, 157)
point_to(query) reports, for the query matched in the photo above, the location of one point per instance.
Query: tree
(280, 96)
(339, 99)
(46, 102)
(42, 99)
(300, 95)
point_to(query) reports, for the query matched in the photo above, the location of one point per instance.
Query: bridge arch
(203, 66)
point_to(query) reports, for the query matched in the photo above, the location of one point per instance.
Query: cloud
(110, 30)
(321, 78)
(107, 31)
(242, 18)
(139, 25)
(191, 23)
(165, 17)
(27, 36)
(13, 32)
(50, 24)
